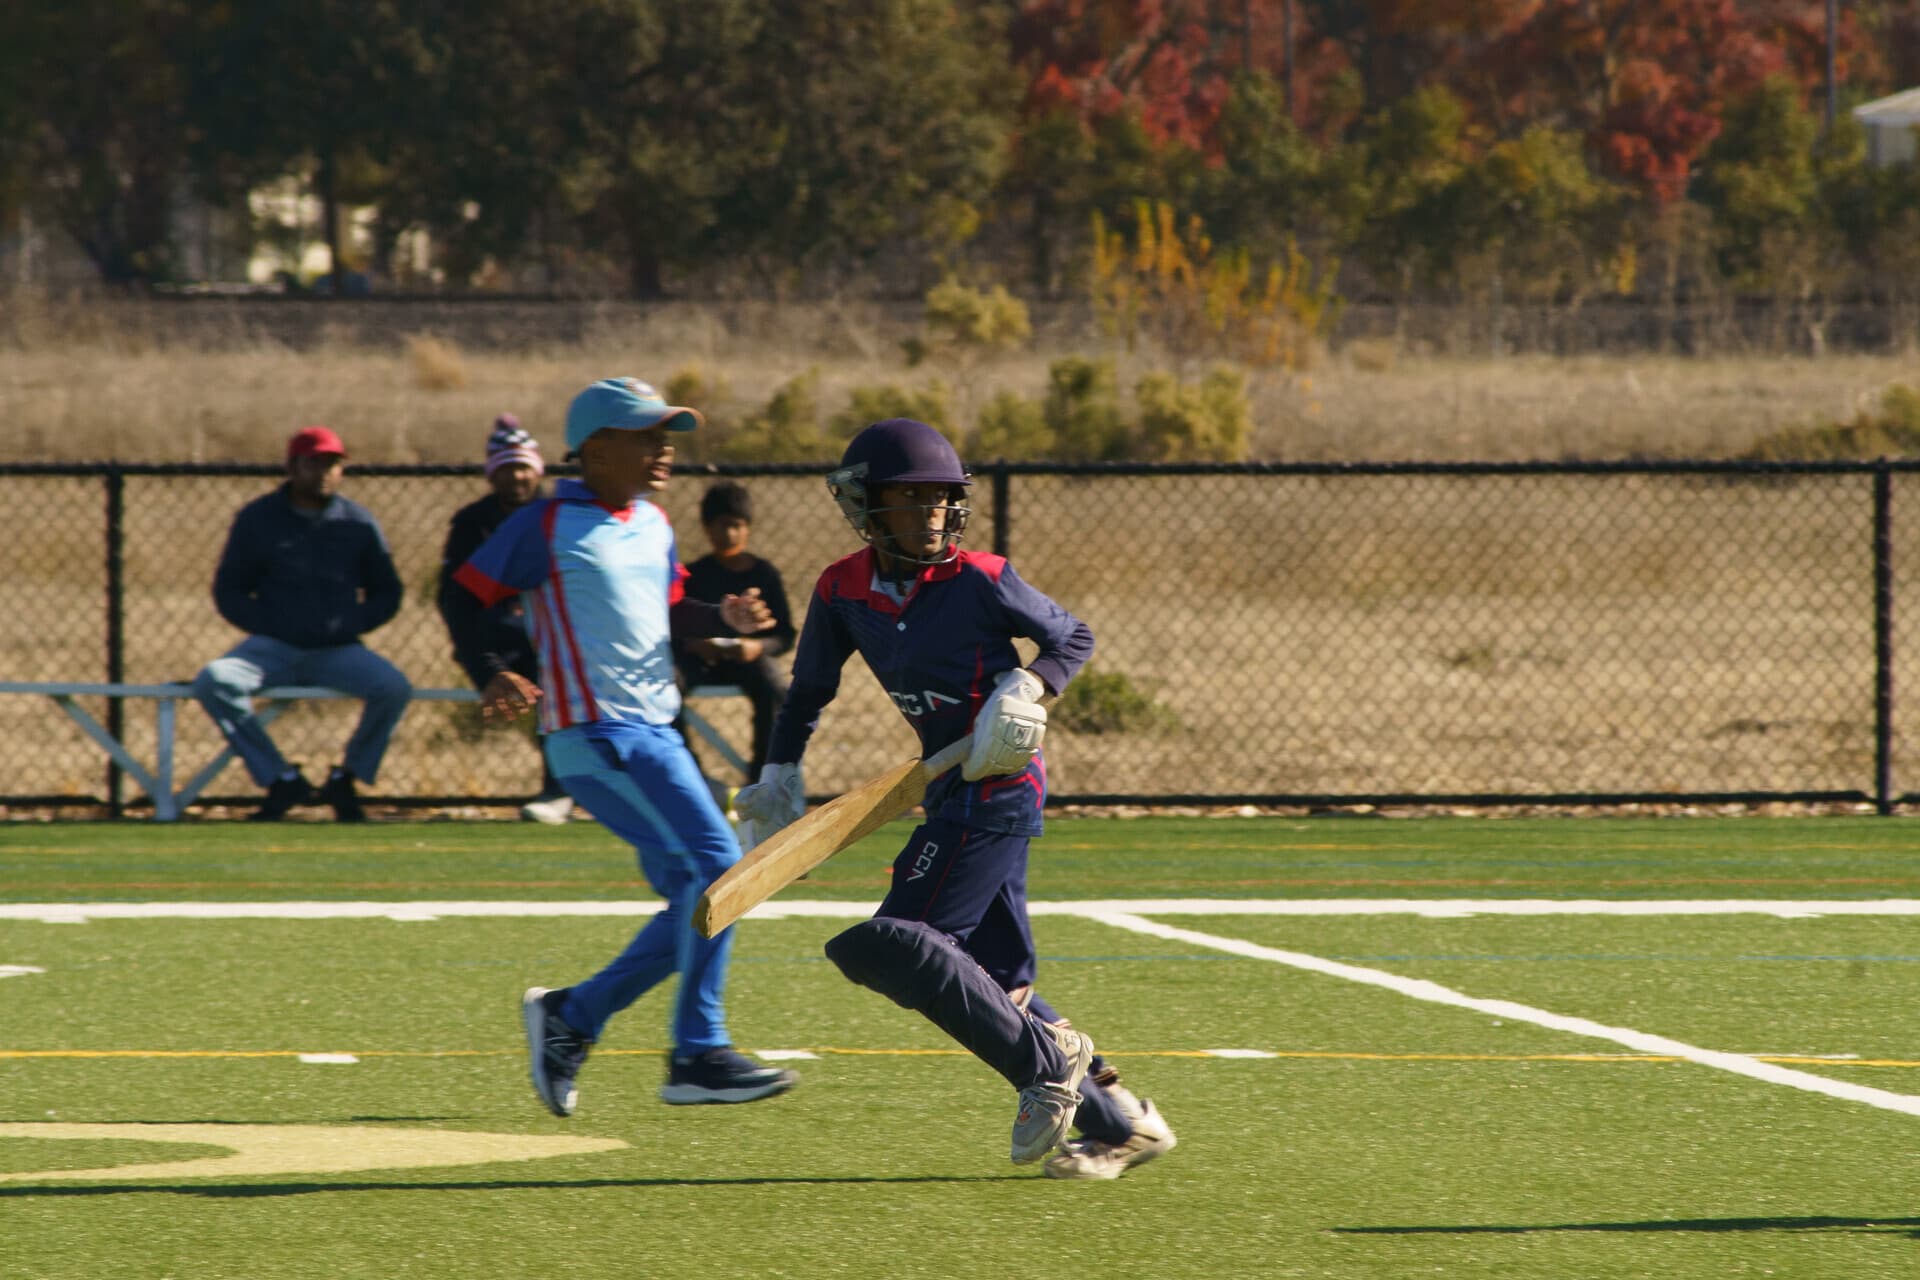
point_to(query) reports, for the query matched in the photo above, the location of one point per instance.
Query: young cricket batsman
(951, 940)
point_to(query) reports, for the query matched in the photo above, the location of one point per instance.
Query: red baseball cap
(314, 440)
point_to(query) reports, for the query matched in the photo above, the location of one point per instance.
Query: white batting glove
(1008, 730)
(774, 801)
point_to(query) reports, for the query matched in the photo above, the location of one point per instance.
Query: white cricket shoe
(1089, 1159)
(553, 810)
(1046, 1109)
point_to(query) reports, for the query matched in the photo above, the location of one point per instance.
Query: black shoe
(721, 1075)
(555, 1051)
(282, 796)
(339, 793)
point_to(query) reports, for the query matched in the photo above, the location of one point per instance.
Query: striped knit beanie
(509, 444)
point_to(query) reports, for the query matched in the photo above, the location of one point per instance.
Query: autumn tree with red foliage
(1643, 81)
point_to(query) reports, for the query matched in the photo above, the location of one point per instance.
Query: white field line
(1420, 989)
(1440, 908)
(1126, 914)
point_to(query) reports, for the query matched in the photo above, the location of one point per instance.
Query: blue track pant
(642, 783)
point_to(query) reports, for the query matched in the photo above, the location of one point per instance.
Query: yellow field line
(1336, 1055)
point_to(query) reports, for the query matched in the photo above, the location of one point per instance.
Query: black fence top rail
(1596, 467)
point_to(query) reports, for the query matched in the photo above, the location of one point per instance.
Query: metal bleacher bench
(168, 803)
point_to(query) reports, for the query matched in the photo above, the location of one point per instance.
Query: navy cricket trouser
(972, 886)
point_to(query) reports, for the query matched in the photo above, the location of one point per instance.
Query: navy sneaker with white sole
(555, 1051)
(721, 1075)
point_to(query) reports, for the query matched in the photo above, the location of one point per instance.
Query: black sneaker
(340, 794)
(721, 1075)
(282, 796)
(555, 1051)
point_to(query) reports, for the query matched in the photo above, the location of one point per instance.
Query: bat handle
(947, 757)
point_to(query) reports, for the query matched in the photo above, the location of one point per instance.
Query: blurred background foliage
(1251, 164)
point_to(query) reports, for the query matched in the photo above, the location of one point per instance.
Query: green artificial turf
(1386, 1136)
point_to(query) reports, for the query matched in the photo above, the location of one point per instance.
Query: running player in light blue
(602, 585)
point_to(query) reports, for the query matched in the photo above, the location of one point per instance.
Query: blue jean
(225, 687)
(643, 784)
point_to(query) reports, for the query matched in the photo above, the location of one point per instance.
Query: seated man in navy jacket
(305, 574)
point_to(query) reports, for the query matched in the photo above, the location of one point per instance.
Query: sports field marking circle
(272, 1150)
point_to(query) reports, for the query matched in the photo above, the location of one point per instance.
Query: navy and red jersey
(937, 655)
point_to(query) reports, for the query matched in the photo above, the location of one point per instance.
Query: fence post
(1002, 524)
(1883, 637)
(116, 622)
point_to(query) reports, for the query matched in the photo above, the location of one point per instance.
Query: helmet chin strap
(899, 568)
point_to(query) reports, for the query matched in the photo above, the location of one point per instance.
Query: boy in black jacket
(726, 512)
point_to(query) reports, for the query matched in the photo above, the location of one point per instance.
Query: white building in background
(1890, 124)
(281, 232)
(290, 235)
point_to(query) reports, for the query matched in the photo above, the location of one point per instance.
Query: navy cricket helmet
(900, 451)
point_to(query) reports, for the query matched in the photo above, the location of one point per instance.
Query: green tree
(1063, 171)
(887, 125)
(92, 134)
(1873, 211)
(329, 87)
(1268, 187)
(1759, 183)
(490, 135)
(1548, 223)
(675, 121)
(19, 50)
(1415, 219)
(714, 131)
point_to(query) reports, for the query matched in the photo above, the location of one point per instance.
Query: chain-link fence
(1265, 634)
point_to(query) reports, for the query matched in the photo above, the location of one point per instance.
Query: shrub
(695, 387)
(1083, 412)
(1011, 426)
(437, 365)
(974, 318)
(866, 405)
(1171, 285)
(1211, 422)
(1893, 431)
(786, 430)
(1109, 702)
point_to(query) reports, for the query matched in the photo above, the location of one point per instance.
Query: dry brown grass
(437, 365)
(86, 386)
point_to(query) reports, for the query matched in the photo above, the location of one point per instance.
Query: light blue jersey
(598, 584)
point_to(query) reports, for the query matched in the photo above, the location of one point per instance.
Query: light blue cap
(626, 404)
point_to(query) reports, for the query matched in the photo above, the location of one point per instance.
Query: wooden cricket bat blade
(794, 850)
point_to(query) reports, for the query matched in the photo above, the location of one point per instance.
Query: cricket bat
(798, 848)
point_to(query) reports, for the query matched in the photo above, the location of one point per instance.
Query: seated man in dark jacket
(489, 641)
(305, 574)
